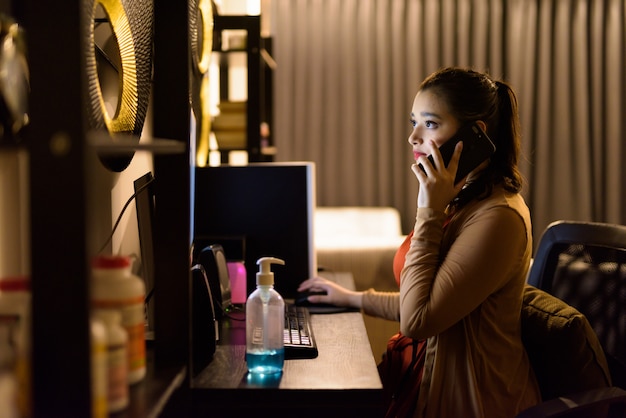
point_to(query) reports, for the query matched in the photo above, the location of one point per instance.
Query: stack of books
(229, 126)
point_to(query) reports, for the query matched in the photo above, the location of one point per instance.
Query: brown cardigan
(462, 288)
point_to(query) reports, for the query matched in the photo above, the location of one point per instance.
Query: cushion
(563, 349)
(354, 227)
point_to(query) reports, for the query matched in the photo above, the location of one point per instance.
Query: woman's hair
(472, 96)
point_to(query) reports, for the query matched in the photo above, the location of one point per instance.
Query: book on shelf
(228, 106)
(231, 140)
(229, 122)
(230, 125)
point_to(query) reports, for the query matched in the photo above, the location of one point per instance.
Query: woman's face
(431, 121)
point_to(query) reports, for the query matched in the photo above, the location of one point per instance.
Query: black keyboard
(298, 333)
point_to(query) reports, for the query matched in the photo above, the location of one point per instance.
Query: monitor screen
(144, 203)
(259, 210)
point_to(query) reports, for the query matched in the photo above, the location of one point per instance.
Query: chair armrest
(591, 401)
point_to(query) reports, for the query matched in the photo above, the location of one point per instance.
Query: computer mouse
(318, 308)
(302, 298)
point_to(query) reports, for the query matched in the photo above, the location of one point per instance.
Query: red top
(398, 259)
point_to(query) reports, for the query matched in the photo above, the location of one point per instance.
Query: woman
(462, 269)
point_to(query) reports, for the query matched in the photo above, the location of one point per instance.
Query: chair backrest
(562, 347)
(584, 264)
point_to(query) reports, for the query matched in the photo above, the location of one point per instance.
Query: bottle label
(257, 336)
(136, 346)
(11, 328)
(133, 321)
(117, 373)
(99, 371)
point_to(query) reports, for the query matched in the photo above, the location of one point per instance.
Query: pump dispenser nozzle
(265, 276)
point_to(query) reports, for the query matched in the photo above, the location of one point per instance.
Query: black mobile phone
(477, 147)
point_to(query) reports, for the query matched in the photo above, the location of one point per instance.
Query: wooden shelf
(259, 79)
(66, 184)
(149, 397)
(103, 144)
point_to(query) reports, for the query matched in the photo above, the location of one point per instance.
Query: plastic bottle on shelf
(15, 323)
(8, 380)
(265, 320)
(114, 286)
(99, 379)
(117, 372)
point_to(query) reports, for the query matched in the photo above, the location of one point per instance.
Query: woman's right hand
(437, 188)
(335, 294)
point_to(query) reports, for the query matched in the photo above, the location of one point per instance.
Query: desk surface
(342, 378)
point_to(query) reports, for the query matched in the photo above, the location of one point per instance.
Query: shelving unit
(259, 80)
(60, 244)
(68, 186)
(66, 189)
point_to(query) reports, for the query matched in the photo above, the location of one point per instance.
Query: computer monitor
(144, 203)
(268, 209)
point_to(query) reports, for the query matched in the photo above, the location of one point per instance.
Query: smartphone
(477, 147)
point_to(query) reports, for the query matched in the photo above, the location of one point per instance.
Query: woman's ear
(482, 125)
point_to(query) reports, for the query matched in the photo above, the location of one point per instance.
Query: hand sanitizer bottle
(265, 322)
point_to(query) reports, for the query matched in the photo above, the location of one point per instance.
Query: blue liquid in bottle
(266, 362)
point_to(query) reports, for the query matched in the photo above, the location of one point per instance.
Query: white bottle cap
(265, 276)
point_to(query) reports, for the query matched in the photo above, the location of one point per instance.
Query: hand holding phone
(477, 147)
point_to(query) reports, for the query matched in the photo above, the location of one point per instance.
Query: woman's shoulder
(500, 197)
(499, 201)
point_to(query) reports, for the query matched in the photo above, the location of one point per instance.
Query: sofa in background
(363, 241)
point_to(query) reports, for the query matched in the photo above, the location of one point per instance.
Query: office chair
(583, 266)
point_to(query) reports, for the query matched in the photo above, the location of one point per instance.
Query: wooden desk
(342, 381)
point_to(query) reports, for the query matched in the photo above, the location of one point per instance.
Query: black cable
(225, 311)
(119, 218)
(228, 310)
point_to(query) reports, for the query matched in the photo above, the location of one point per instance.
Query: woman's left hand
(335, 294)
(437, 188)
